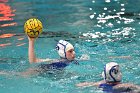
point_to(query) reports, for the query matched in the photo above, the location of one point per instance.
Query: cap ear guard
(61, 50)
(57, 48)
(113, 72)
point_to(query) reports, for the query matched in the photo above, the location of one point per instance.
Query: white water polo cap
(62, 47)
(112, 72)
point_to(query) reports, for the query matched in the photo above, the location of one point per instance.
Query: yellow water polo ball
(33, 27)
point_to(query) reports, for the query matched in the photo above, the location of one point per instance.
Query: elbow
(32, 61)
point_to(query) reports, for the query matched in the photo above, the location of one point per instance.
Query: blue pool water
(105, 30)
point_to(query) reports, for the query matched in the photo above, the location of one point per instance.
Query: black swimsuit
(55, 66)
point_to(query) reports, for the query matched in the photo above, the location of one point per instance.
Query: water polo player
(112, 81)
(65, 51)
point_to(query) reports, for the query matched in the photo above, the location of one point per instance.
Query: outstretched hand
(85, 57)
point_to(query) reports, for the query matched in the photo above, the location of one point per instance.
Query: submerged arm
(127, 86)
(88, 84)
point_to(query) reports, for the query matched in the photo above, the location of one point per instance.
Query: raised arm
(31, 53)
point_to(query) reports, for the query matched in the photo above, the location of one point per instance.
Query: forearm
(31, 53)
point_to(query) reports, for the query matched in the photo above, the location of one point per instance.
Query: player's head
(65, 50)
(112, 72)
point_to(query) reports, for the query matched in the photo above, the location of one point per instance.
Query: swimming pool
(106, 30)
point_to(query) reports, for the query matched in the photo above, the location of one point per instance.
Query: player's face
(70, 54)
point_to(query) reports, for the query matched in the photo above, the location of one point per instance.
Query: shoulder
(49, 61)
(45, 60)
